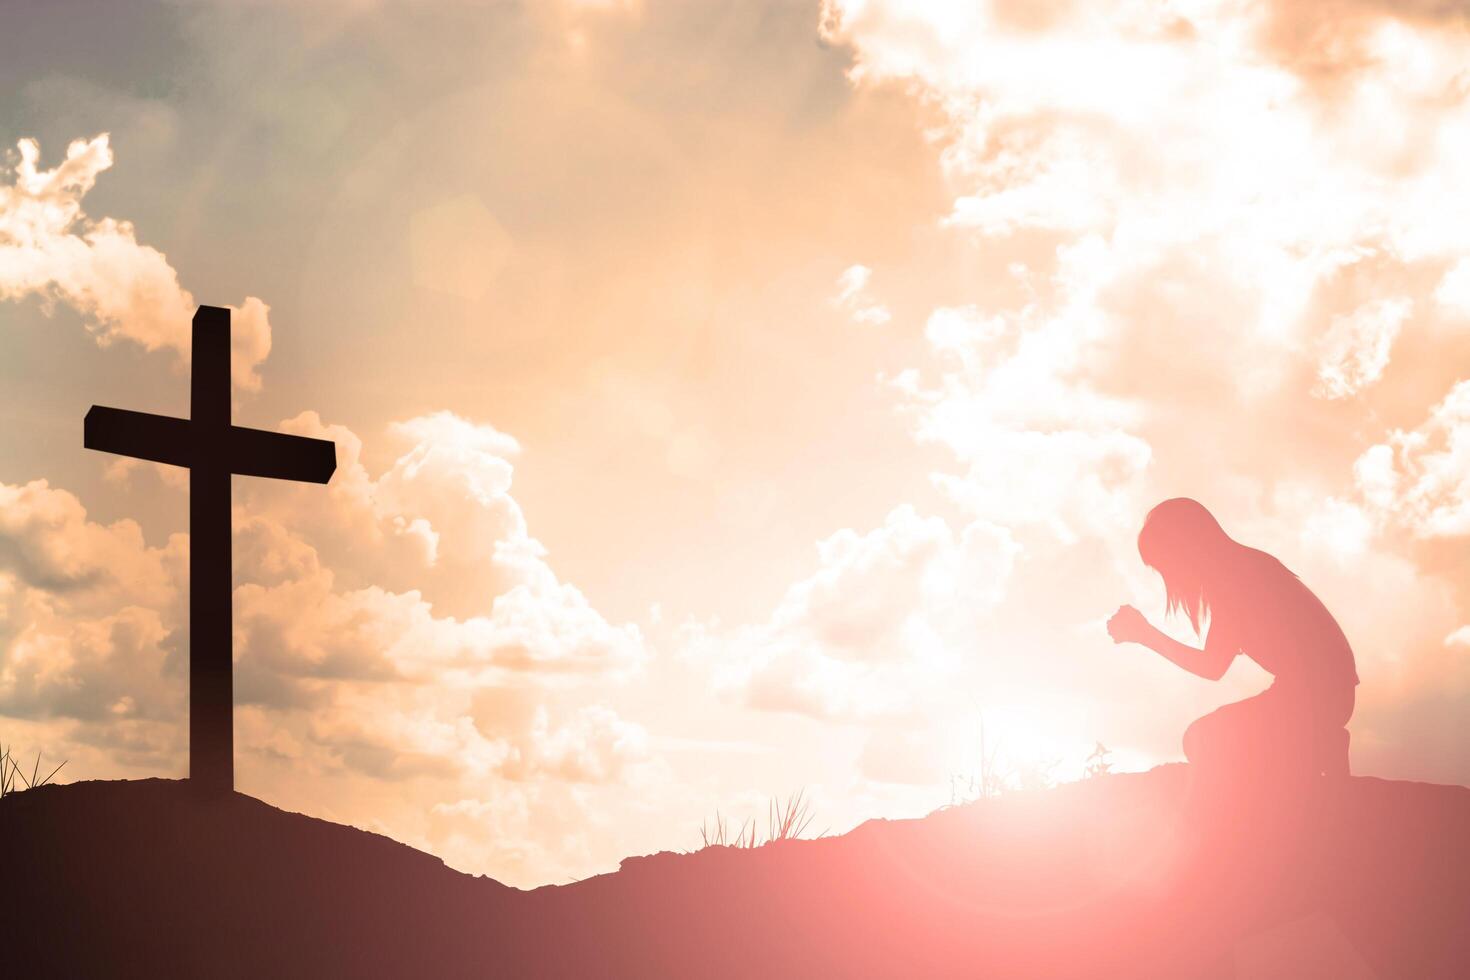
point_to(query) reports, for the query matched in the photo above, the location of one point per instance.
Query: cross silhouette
(212, 449)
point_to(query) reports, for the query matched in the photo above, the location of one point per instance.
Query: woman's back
(1264, 610)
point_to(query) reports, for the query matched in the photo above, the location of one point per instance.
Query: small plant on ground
(719, 834)
(790, 821)
(990, 778)
(998, 773)
(13, 777)
(784, 821)
(1097, 763)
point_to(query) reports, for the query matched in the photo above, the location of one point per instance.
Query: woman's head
(1185, 544)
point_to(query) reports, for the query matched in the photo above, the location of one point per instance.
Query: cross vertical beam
(211, 660)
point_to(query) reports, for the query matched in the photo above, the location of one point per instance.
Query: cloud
(486, 611)
(595, 745)
(1187, 220)
(1356, 346)
(1327, 42)
(1421, 478)
(88, 623)
(1038, 442)
(1111, 123)
(447, 429)
(1453, 291)
(47, 542)
(852, 297)
(883, 620)
(125, 290)
(440, 521)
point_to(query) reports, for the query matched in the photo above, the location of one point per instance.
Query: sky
(730, 399)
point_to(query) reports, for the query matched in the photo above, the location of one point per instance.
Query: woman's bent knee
(1227, 734)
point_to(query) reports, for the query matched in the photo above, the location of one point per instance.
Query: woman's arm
(1128, 625)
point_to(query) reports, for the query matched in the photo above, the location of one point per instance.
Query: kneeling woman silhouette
(1245, 601)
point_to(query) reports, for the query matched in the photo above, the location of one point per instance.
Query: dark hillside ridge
(1139, 875)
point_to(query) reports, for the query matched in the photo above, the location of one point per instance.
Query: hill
(1119, 876)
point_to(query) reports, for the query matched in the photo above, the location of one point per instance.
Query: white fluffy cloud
(88, 620)
(1421, 478)
(1453, 291)
(479, 665)
(1355, 348)
(1177, 198)
(1038, 442)
(886, 617)
(853, 298)
(123, 289)
(1164, 127)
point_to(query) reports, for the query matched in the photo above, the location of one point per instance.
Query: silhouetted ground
(1120, 876)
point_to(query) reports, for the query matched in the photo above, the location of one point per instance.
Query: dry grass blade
(714, 836)
(790, 821)
(53, 773)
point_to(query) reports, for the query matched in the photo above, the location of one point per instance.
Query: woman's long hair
(1183, 542)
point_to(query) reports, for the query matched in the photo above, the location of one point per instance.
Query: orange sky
(730, 399)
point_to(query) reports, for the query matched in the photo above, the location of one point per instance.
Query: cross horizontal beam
(256, 452)
(158, 438)
(177, 442)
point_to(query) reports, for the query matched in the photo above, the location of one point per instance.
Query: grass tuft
(789, 821)
(784, 821)
(1099, 763)
(13, 778)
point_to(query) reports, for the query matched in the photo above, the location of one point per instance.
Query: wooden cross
(211, 449)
